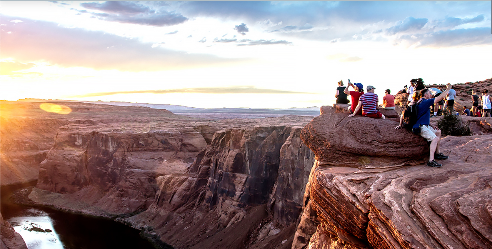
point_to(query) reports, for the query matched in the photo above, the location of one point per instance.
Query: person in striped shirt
(369, 102)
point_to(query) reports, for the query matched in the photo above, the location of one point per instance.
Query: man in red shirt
(355, 95)
(388, 100)
(368, 102)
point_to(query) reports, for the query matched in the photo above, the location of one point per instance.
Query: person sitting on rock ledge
(431, 134)
(341, 95)
(369, 102)
(359, 90)
(388, 100)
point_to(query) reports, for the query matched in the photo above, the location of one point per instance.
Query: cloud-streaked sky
(236, 54)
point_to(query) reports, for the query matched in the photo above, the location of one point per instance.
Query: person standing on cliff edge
(431, 134)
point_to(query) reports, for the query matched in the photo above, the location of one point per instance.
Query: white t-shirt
(486, 102)
(451, 94)
(411, 89)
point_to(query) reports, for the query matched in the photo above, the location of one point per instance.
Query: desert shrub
(453, 125)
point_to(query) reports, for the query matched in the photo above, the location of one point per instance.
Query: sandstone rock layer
(401, 206)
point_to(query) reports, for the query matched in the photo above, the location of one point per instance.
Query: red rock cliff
(379, 200)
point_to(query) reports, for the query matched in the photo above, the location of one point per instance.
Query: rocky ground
(370, 187)
(284, 182)
(226, 182)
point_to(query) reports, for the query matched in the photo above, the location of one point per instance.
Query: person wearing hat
(355, 95)
(368, 102)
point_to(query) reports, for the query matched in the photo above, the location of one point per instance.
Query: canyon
(285, 182)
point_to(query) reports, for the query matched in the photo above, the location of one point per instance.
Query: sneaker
(434, 164)
(440, 156)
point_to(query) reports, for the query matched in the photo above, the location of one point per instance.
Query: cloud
(118, 7)
(161, 19)
(344, 57)
(451, 22)
(203, 40)
(262, 42)
(132, 12)
(225, 40)
(10, 68)
(208, 90)
(32, 41)
(409, 24)
(351, 59)
(450, 38)
(251, 10)
(241, 29)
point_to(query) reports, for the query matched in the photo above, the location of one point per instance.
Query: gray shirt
(451, 94)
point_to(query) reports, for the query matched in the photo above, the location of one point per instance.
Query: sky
(254, 54)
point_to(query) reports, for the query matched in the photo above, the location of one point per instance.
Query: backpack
(410, 118)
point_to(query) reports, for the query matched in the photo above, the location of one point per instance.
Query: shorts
(475, 103)
(373, 115)
(485, 111)
(427, 132)
(450, 103)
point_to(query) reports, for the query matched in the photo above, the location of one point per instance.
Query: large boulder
(337, 139)
(394, 206)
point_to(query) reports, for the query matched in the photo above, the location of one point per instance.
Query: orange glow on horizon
(60, 109)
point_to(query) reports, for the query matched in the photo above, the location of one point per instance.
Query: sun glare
(60, 109)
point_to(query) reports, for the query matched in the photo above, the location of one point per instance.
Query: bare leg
(438, 134)
(433, 147)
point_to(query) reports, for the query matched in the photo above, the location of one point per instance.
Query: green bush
(453, 125)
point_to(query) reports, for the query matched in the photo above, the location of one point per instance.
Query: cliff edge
(367, 188)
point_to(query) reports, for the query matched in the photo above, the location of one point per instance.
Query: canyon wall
(9, 238)
(236, 183)
(288, 182)
(24, 144)
(385, 198)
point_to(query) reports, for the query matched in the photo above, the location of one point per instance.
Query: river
(45, 228)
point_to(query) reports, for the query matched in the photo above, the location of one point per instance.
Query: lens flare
(60, 109)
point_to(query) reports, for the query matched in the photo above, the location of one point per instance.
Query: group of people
(481, 105)
(365, 104)
(421, 99)
(439, 107)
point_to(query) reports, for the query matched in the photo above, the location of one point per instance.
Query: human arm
(445, 93)
(359, 105)
(336, 95)
(346, 91)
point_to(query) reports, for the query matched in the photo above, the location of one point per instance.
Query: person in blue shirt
(466, 111)
(431, 134)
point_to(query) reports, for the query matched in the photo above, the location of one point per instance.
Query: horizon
(273, 55)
